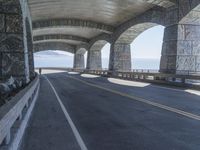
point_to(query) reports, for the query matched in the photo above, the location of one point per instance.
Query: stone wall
(11, 40)
(14, 57)
(180, 53)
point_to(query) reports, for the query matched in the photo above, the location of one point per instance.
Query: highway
(87, 112)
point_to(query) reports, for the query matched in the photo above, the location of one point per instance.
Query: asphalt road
(85, 112)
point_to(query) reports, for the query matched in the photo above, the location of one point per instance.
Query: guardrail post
(183, 80)
(173, 79)
(20, 116)
(27, 105)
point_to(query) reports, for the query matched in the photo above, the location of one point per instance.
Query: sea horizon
(52, 59)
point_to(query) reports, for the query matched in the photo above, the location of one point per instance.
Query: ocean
(52, 59)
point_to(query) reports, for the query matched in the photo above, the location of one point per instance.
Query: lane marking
(73, 127)
(171, 109)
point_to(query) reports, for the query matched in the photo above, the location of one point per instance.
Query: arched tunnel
(24, 27)
(88, 107)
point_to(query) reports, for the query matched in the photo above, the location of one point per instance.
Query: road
(87, 112)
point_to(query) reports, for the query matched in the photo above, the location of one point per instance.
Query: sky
(147, 45)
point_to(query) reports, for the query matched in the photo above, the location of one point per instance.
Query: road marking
(73, 127)
(171, 109)
(168, 88)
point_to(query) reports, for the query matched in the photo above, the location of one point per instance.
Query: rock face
(6, 88)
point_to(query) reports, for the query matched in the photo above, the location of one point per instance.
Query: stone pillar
(181, 49)
(79, 61)
(12, 56)
(120, 57)
(94, 60)
(30, 49)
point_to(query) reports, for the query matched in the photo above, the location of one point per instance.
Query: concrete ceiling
(94, 16)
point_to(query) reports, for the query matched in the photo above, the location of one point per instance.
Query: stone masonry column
(79, 61)
(181, 49)
(120, 57)
(181, 44)
(12, 54)
(94, 60)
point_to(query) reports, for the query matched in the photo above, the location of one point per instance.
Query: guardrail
(15, 114)
(192, 81)
(188, 79)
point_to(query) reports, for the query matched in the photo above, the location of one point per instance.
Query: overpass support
(181, 49)
(79, 61)
(94, 60)
(181, 45)
(120, 57)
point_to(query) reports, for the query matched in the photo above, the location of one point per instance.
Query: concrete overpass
(78, 26)
(74, 25)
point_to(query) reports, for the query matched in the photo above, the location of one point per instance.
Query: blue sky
(147, 45)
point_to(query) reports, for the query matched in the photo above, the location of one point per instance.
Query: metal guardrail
(192, 81)
(14, 115)
(187, 78)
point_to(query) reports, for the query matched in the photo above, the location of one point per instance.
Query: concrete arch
(60, 37)
(101, 37)
(98, 45)
(133, 32)
(81, 51)
(43, 46)
(72, 22)
(155, 15)
(189, 12)
(120, 56)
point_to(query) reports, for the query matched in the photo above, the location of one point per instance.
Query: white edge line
(73, 127)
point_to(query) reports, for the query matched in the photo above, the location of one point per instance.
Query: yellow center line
(171, 109)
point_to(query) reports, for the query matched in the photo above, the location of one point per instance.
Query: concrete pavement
(106, 120)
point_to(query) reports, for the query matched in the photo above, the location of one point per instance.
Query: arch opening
(136, 48)
(99, 55)
(54, 59)
(146, 50)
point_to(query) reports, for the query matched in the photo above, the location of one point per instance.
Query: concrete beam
(54, 46)
(72, 22)
(60, 37)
